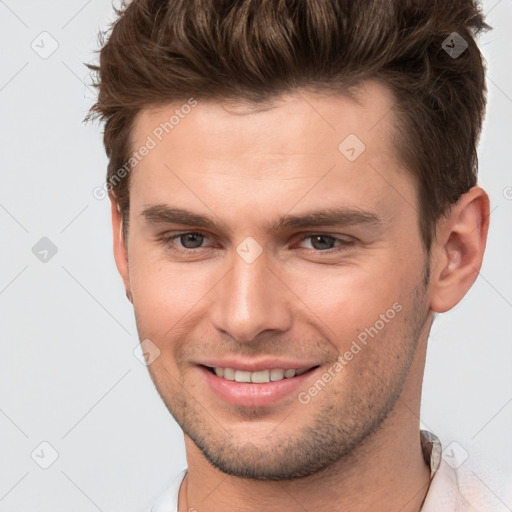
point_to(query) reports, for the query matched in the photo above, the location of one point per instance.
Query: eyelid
(338, 236)
(298, 236)
(346, 240)
(171, 236)
(342, 238)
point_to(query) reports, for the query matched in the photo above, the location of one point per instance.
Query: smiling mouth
(259, 377)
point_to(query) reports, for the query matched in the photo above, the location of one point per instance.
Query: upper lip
(256, 366)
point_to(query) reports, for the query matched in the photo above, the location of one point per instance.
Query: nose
(249, 300)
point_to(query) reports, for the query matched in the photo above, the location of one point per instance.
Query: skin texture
(355, 444)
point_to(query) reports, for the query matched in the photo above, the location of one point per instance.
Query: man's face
(259, 289)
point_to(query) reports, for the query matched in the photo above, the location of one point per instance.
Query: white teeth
(229, 374)
(259, 377)
(276, 374)
(241, 376)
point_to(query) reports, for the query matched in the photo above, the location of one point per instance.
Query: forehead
(297, 122)
(218, 147)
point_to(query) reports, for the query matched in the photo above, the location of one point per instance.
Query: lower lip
(254, 395)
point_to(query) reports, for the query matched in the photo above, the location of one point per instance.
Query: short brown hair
(160, 51)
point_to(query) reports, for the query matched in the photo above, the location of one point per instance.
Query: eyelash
(167, 239)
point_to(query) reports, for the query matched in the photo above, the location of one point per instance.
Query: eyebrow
(164, 214)
(326, 217)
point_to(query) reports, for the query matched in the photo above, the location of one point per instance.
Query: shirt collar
(432, 451)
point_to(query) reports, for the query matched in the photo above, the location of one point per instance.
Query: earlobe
(120, 251)
(458, 252)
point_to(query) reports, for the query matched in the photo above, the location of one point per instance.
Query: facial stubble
(347, 416)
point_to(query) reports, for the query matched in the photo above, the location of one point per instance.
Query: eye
(187, 241)
(191, 240)
(325, 243)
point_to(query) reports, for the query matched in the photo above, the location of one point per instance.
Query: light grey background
(68, 375)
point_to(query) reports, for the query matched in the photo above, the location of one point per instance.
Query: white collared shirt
(453, 486)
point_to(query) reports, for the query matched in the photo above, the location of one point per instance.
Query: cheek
(347, 299)
(366, 311)
(165, 293)
(342, 301)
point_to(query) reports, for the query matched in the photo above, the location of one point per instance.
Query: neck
(387, 472)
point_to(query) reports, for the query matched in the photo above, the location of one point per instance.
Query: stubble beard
(346, 419)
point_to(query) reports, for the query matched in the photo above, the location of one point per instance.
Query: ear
(459, 249)
(120, 251)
